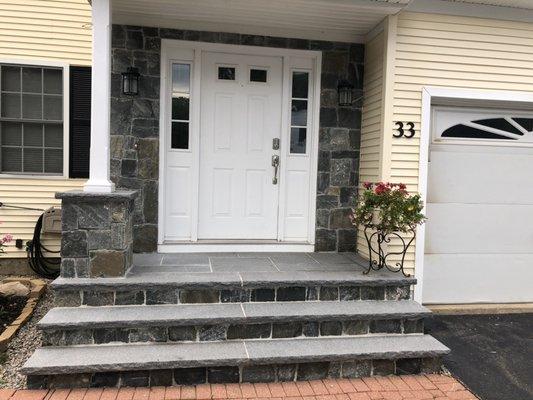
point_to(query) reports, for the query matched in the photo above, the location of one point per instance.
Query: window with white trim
(31, 119)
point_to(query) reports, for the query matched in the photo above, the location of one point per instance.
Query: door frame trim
(432, 96)
(169, 45)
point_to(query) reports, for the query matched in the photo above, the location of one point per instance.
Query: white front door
(240, 123)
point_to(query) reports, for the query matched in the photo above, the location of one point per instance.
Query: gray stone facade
(96, 237)
(135, 128)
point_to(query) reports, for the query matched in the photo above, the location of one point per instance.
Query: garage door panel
(479, 228)
(480, 177)
(464, 278)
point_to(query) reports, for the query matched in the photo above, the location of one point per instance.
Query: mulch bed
(10, 309)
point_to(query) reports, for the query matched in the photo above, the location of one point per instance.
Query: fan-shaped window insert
(506, 128)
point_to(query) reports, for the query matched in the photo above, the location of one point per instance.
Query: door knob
(275, 164)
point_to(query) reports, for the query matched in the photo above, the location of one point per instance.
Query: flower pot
(376, 217)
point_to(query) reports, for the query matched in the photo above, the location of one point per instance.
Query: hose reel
(48, 222)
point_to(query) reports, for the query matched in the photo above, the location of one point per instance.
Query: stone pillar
(96, 237)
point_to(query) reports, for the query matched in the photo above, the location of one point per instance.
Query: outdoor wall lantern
(130, 82)
(345, 90)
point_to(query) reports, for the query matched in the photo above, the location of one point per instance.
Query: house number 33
(406, 130)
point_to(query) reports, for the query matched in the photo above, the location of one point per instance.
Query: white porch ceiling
(526, 4)
(340, 20)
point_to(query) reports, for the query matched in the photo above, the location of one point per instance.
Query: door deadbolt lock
(275, 164)
(275, 144)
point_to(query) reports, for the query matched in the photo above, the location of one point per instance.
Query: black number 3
(411, 130)
(399, 130)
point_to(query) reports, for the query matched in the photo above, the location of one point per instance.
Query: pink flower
(367, 185)
(7, 238)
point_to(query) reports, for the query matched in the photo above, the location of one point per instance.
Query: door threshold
(231, 246)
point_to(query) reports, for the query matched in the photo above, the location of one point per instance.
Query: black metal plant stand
(378, 257)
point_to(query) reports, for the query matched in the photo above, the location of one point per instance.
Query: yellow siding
(58, 30)
(372, 118)
(47, 30)
(454, 52)
(31, 193)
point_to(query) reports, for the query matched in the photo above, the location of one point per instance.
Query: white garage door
(479, 234)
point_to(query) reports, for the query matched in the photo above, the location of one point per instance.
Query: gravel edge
(25, 342)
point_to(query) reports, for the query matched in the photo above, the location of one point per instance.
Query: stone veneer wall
(135, 128)
(96, 233)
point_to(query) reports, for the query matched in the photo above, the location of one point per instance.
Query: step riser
(236, 374)
(68, 298)
(231, 332)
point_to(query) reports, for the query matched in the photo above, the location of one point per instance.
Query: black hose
(43, 266)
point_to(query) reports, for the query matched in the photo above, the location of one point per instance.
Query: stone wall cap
(118, 195)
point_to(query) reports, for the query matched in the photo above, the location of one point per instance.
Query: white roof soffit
(511, 10)
(336, 20)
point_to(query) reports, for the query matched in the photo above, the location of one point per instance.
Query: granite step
(232, 361)
(231, 287)
(210, 322)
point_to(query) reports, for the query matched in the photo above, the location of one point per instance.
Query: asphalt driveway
(491, 354)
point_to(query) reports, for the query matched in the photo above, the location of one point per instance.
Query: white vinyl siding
(31, 193)
(372, 118)
(453, 52)
(58, 30)
(39, 31)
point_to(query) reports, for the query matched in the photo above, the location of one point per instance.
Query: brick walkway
(418, 387)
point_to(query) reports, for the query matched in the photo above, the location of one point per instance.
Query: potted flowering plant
(386, 211)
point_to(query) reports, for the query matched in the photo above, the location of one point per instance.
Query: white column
(99, 181)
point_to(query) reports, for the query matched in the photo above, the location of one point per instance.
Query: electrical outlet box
(52, 220)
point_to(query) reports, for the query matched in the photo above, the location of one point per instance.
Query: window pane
(53, 135)
(32, 107)
(299, 113)
(298, 140)
(226, 73)
(180, 108)
(10, 105)
(32, 80)
(33, 135)
(180, 135)
(53, 81)
(526, 123)
(10, 79)
(33, 160)
(463, 131)
(258, 75)
(11, 133)
(53, 161)
(181, 78)
(53, 108)
(300, 84)
(11, 159)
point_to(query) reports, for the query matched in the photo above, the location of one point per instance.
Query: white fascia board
(474, 10)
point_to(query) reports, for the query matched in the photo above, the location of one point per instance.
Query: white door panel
(480, 177)
(479, 228)
(239, 120)
(479, 232)
(478, 278)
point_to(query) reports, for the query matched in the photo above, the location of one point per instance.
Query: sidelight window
(181, 88)
(299, 112)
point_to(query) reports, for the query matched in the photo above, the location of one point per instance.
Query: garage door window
(482, 125)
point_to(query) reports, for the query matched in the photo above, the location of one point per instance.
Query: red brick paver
(414, 387)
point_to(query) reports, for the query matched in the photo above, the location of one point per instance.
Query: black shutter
(80, 121)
